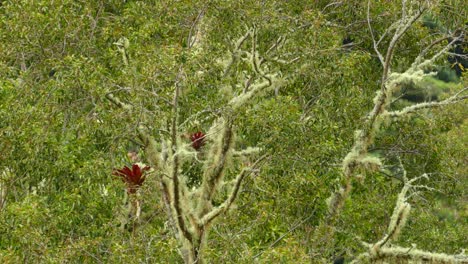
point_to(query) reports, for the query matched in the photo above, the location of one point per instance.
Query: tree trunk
(192, 251)
(192, 254)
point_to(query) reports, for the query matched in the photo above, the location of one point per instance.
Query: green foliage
(61, 138)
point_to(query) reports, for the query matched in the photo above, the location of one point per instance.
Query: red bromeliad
(198, 140)
(133, 177)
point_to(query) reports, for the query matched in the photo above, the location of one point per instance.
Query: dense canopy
(233, 131)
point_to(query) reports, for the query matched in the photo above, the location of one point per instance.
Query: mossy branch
(413, 108)
(217, 158)
(403, 253)
(191, 209)
(6, 176)
(233, 195)
(418, 62)
(176, 188)
(383, 250)
(235, 54)
(358, 157)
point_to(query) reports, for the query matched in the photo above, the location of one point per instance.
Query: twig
(175, 165)
(232, 197)
(413, 108)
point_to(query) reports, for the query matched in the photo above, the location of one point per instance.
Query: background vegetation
(60, 138)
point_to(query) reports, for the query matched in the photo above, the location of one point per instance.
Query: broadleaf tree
(255, 123)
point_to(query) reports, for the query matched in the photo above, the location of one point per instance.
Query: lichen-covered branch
(5, 177)
(122, 45)
(413, 108)
(176, 192)
(412, 254)
(420, 57)
(235, 54)
(400, 213)
(256, 90)
(217, 158)
(419, 64)
(233, 195)
(191, 210)
(118, 103)
(358, 158)
(385, 250)
(405, 23)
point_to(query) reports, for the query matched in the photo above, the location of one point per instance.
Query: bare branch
(117, 102)
(175, 166)
(279, 42)
(376, 49)
(191, 39)
(413, 108)
(400, 31)
(382, 250)
(285, 234)
(232, 197)
(236, 52)
(418, 64)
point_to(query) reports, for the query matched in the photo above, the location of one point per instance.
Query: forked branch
(384, 250)
(358, 158)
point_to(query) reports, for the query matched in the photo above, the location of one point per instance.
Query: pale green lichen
(191, 210)
(246, 152)
(257, 90)
(377, 97)
(384, 249)
(398, 222)
(122, 45)
(420, 256)
(371, 163)
(408, 76)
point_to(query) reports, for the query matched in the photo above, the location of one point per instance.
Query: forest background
(85, 83)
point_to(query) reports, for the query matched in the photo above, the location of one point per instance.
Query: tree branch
(232, 197)
(118, 103)
(428, 48)
(418, 64)
(365, 137)
(236, 52)
(218, 154)
(382, 250)
(285, 234)
(413, 108)
(400, 31)
(175, 166)
(402, 253)
(376, 49)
